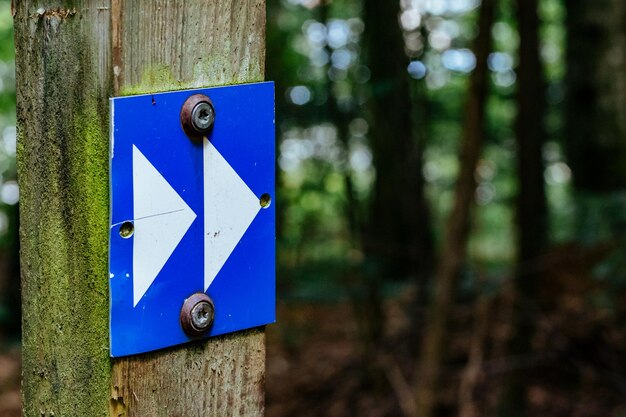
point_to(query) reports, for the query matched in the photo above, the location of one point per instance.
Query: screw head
(202, 315)
(203, 116)
(197, 314)
(127, 229)
(197, 116)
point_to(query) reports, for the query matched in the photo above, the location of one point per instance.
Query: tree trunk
(10, 296)
(71, 57)
(398, 234)
(454, 249)
(595, 115)
(532, 216)
(595, 122)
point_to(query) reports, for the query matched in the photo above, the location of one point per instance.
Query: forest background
(451, 208)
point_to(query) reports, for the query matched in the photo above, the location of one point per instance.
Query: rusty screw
(197, 116)
(197, 314)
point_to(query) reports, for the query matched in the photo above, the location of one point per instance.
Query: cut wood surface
(71, 57)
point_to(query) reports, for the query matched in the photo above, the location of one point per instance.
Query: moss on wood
(63, 175)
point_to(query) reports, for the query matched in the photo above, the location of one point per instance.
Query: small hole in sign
(127, 229)
(265, 200)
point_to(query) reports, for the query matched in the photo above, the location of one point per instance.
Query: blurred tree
(341, 116)
(531, 214)
(320, 105)
(9, 262)
(458, 225)
(596, 87)
(397, 235)
(530, 137)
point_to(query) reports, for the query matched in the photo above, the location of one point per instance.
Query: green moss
(90, 175)
(207, 72)
(63, 173)
(66, 311)
(157, 78)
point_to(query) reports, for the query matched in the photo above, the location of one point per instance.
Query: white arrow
(229, 209)
(161, 219)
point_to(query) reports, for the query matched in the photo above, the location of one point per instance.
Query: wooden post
(71, 57)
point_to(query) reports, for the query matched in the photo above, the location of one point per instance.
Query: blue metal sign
(190, 216)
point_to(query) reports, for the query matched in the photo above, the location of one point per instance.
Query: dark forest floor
(10, 373)
(316, 366)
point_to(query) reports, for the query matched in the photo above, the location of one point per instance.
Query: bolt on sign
(192, 228)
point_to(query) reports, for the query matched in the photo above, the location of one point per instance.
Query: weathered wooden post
(71, 57)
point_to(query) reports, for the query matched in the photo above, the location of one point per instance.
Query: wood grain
(62, 68)
(71, 56)
(170, 45)
(221, 377)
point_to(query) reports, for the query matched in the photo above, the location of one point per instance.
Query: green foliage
(303, 59)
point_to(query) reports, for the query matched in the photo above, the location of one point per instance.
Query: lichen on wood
(63, 174)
